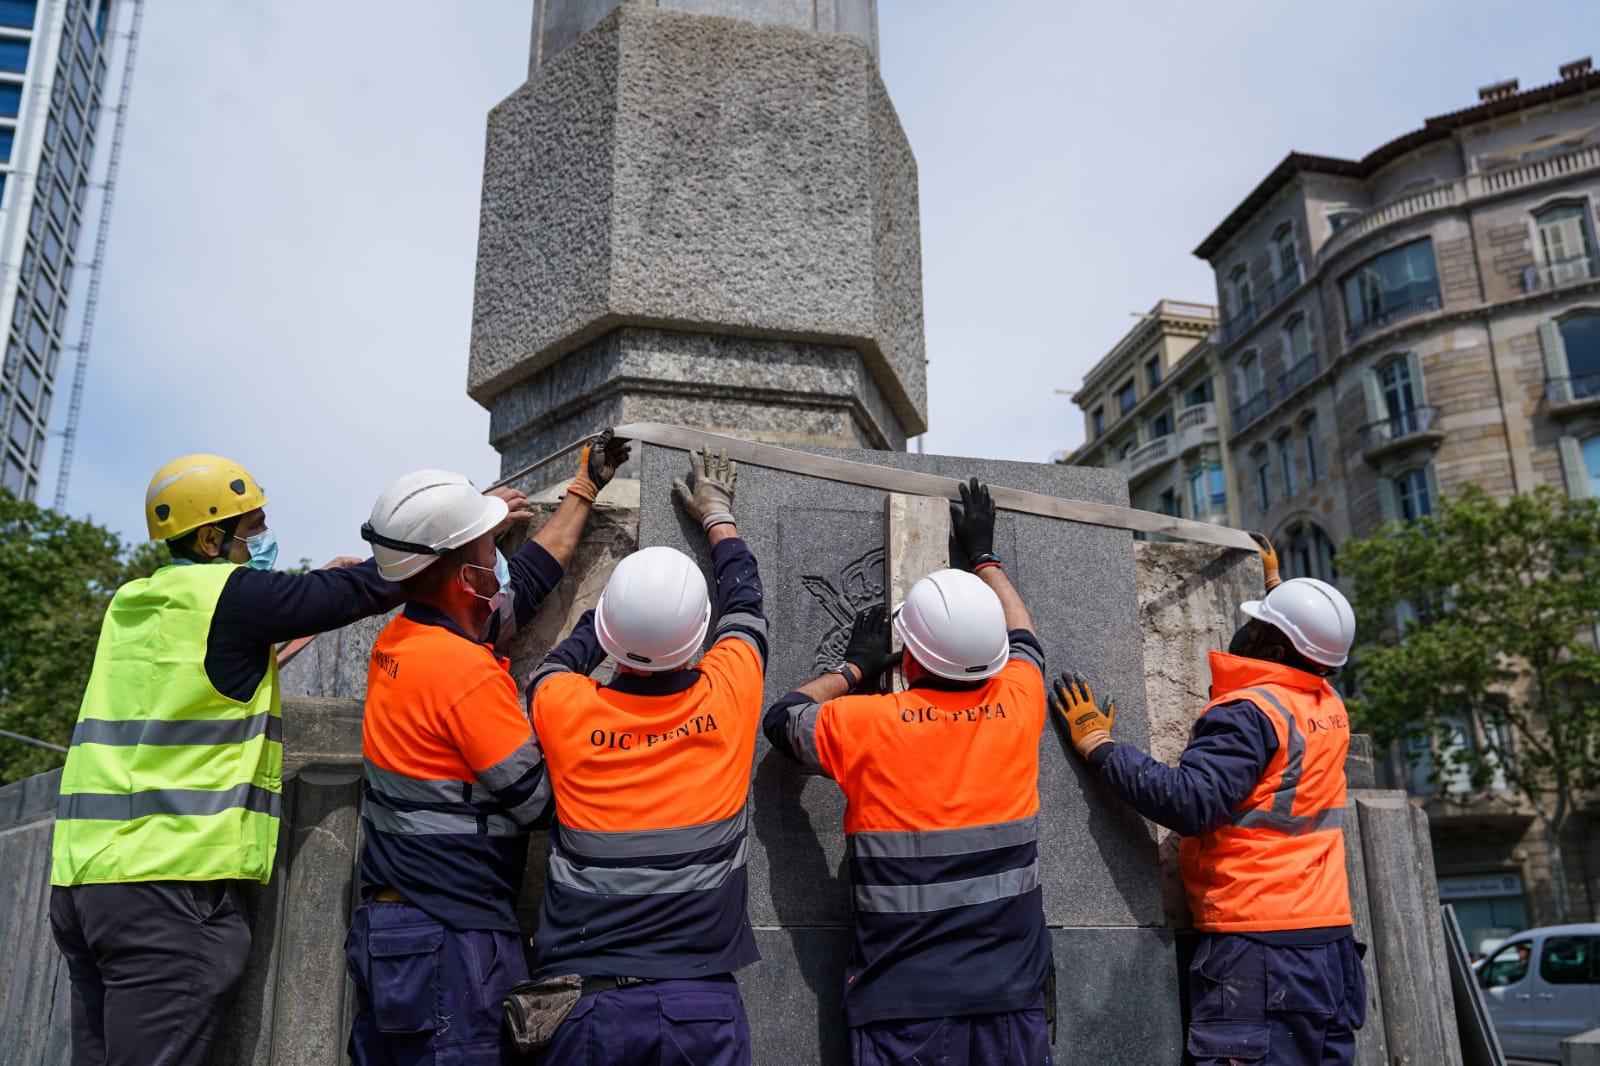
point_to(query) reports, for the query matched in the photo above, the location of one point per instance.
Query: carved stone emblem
(859, 586)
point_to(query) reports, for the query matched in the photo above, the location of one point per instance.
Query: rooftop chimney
(1500, 90)
(1575, 69)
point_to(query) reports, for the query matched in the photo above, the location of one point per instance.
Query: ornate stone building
(1392, 328)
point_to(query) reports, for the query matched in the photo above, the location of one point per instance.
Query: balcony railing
(1458, 191)
(1250, 410)
(1143, 458)
(1297, 375)
(1379, 436)
(1420, 305)
(1233, 327)
(1562, 272)
(1283, 287)
(1566, 392)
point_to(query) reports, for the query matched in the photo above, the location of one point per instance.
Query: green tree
(57, 574)
(1483, 618)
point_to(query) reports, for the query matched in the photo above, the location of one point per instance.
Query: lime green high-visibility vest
(168, 779)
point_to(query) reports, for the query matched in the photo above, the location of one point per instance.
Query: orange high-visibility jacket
(1278, 862)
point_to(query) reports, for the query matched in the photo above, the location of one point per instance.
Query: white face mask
(502, 577)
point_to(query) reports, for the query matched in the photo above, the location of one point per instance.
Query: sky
(288, 280)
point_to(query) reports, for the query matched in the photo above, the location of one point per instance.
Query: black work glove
(972, 527)
(868, 650)
(597, 464)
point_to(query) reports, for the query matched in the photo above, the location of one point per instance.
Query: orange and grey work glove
(1089, 725)
(1269, 559)
(708, 494)
(597, 464)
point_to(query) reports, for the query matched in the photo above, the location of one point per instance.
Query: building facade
(1391, 329)
(1151, 410)
(54, 60)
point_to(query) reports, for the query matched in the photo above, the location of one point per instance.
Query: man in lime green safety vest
(170, 797)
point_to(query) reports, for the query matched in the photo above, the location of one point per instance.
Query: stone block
(34, 1006)
(708, 175)
(1371, 1039)
(1407, 934)
(779, 391)
(557, 23)
(918, 542)
(821, 546)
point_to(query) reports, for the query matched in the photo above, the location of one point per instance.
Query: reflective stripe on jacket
(941, 787)
(166, 779)
(647, 858)
(1278, 862)
(452, 774)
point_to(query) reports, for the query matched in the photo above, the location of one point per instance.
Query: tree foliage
(1476, 628)
(57, 574)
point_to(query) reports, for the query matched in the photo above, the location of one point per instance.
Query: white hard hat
(654, 611)
(953, 626)
(424, 513)
(1313, 614)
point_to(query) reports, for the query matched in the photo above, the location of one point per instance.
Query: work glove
(710, 499)
(1089, 725)
(972, 527)
(868, 650)
(597, 464)
(1269, 559)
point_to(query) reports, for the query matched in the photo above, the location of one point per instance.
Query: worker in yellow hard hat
(171, 792)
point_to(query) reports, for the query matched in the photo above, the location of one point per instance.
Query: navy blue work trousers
(426, 994)
(1251, 1002)
(690, 1022)
(1015, 1038)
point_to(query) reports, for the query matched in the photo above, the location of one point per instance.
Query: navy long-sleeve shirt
(1229, 749)
(260, 608)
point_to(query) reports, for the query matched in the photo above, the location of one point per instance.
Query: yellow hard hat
(189, 492)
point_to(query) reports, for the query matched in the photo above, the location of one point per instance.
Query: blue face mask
(502, 576)
(263, 549)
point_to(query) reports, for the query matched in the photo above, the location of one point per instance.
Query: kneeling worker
(644, 911)
(453, 776)
(1259, 797)
(942, 789)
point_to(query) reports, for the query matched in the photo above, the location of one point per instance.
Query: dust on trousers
(426, 994)
(1286, 1005)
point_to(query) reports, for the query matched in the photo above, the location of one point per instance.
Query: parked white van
(1541, 986)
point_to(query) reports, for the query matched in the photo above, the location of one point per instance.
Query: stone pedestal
(822, 551)
(702, 220)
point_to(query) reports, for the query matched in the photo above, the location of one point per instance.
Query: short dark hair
(427, 583)
(183, 545)
(1273, 637)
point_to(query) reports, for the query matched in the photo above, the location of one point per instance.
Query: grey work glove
(710, 500)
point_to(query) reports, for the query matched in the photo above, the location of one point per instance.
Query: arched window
(1308, 431)
(1297, 339)
(1285, 447)
(1288, 256)
(1306, 551)
(1580, 336)
(1412, 495)
(1249, 375)
(1243, 297)
(1263, 468)
(1564, 238)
